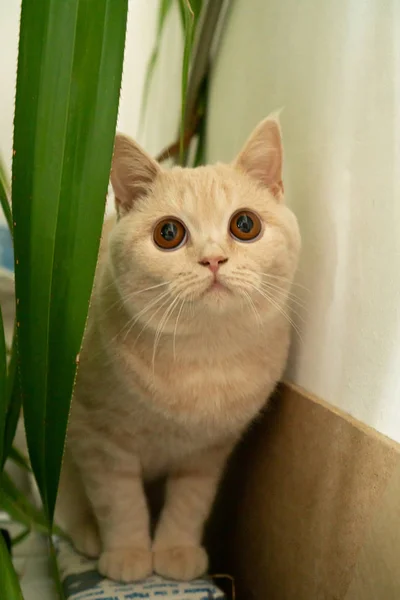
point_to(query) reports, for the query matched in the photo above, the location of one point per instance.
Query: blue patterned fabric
(81, 581)
(6, 249)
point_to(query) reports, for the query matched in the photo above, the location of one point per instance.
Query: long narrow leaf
(3, 386)
(13, 402)
(5, 194)
(205, 32)
(196, 7)
(16, 505)
(181, 6)
(21, 510)
(189, 32)
(201, 107)
(163, 10)
(19, 459)
(55, 570)
(199, 158)
(68, 81)
(20, 537)
(9, 584)
(16, 513)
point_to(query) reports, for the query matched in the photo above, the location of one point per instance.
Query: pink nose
(213, 262)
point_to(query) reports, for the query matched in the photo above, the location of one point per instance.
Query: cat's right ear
(133, 172)
(262, 156)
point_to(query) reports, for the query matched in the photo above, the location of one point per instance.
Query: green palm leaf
(5, 194)
(9, 585)
(188, 19)
(3, 386)
(13, 400)
(68, 81)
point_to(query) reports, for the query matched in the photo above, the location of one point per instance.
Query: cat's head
(218, 237)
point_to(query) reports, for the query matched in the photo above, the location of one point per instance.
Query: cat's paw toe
(181, 563)
(126, 564)
(86, 540)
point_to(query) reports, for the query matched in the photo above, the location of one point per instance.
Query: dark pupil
(169, 232)
(245, 223)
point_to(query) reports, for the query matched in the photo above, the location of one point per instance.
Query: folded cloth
(81, 581)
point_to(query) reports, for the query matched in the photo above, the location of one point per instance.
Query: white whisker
(147, 323)
(152, 287)
(280, 309)
(252, 306)
(287, 295)
(291, 297)
(122, 299)
(161, 325)
(132, 322)
(288, 303)
(285, 279)
(176, 328)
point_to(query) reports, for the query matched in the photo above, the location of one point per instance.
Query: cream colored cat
(186, 339)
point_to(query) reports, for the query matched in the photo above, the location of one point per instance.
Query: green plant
(5, 194)
(200, 21)
(68, 81)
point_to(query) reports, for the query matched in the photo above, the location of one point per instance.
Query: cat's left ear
(262, 156)
(133, 173)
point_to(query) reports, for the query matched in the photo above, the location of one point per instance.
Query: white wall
(335, 67)
(160, 126)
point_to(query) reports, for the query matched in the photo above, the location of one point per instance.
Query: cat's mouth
(214, 289)
(218, 287)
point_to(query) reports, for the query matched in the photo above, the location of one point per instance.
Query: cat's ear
(133, 172)
(262, 156)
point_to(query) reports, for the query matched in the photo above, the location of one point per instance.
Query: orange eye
(245, 226)
(169, 234)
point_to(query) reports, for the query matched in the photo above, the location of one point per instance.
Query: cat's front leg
(119, 504)
(177, 550)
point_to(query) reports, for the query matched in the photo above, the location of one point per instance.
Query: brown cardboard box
(310, 507)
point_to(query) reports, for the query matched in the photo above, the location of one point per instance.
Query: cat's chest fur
(195, 384)
(188, 395)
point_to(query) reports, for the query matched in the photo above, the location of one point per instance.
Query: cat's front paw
(181, 563)
(126, 564)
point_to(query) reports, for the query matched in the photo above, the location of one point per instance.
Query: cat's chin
(216, 291)
(218, 288)
(217, 297)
